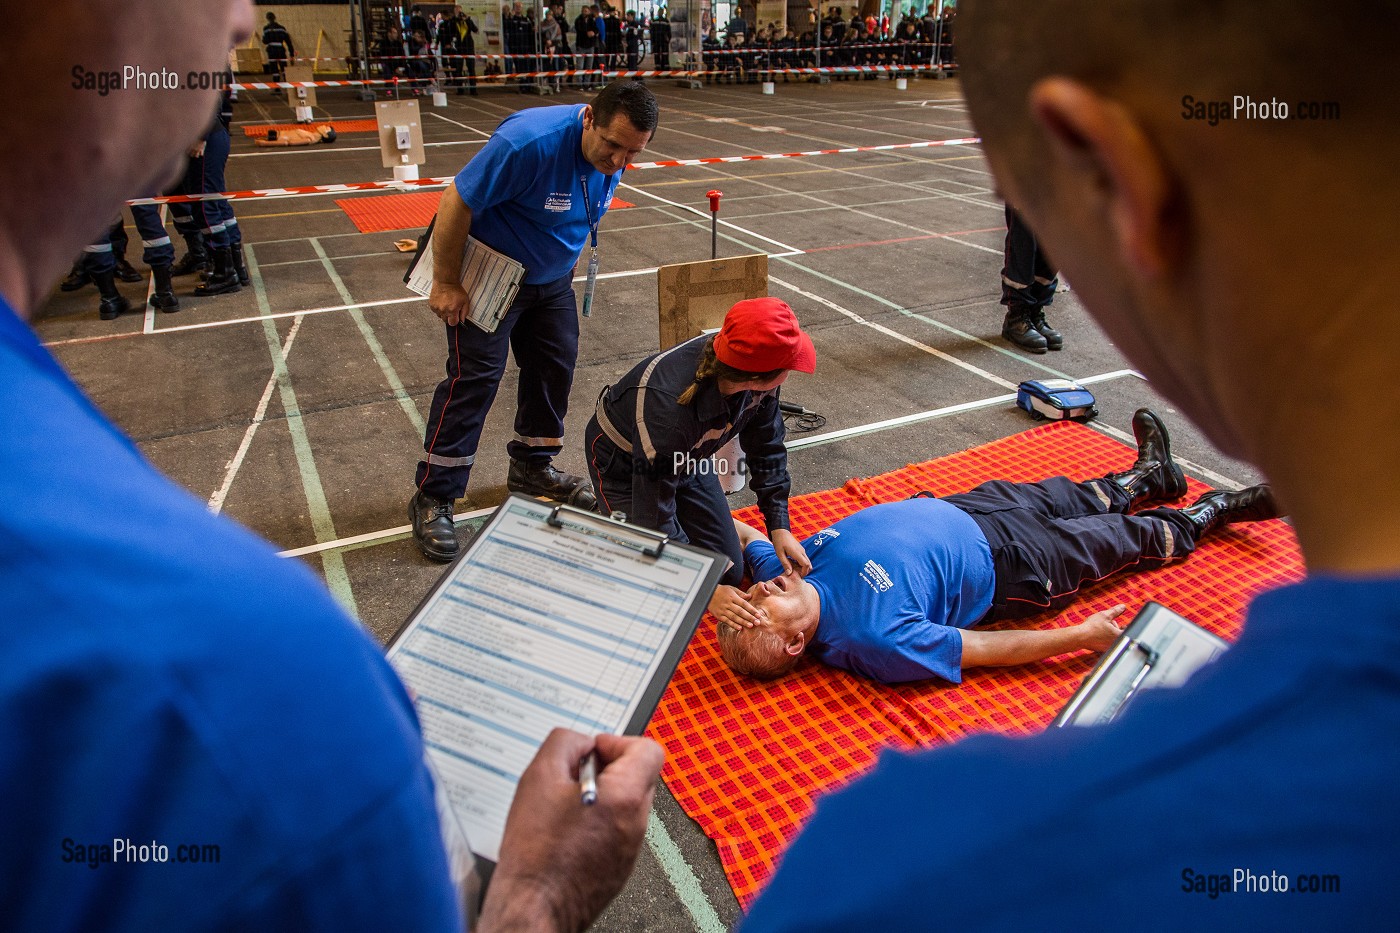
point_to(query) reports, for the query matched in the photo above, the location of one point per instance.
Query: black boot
(114, 303)
(76, 279)
(544, 480)
(195, 260)
(1219, 508)
(222, 279)
(240, 268)
(126, 271)
(432, 526)
(163, 299)
(1154, 476)
(1054, 340)
(1019, 330)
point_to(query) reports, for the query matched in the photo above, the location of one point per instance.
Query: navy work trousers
(541, 330)
(1050, 538)
(702, 510)
(1027, 277)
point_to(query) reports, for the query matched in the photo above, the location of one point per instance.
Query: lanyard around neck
(588, 211)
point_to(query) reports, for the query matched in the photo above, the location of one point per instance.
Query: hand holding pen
(560, 855)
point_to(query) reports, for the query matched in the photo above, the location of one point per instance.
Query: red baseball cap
(760, 335)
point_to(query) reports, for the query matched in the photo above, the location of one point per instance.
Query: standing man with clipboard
(536, 192)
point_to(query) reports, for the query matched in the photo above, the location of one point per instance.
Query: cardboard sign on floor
(693, 297)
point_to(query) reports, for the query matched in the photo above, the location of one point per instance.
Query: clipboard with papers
(551, 617)
(1157, 649)
(491, 279)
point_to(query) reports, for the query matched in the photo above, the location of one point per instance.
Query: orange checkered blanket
(747, 760)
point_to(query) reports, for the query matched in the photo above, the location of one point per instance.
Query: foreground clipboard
(1158, 649)
(552, 616)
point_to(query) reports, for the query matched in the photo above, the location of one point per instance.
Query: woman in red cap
(651, 439)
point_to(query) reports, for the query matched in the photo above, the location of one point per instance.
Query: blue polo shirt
(168, 682)
(1276, 762)
(897, 582)
(525, 190)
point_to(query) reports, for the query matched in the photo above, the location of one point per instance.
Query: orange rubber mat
(391, 211)
(403, 211)
(340, 126)
(747, 759)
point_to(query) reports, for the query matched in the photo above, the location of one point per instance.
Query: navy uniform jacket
(640, 415)
(278, 41)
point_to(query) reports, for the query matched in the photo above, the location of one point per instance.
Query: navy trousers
(702, 510)
(155, 242)
(541, 331)
(1050, 538)
(204, 175)
(1027, 277)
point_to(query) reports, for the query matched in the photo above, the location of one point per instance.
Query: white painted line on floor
(787, 250)
(890, 332)
(433, 113)
(311, 149)
(281, 314)
(216, 501)
(370, 536)
(682, 878)
(817, 440)
(1220, 479)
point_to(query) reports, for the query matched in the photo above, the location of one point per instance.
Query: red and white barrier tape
(303, 190)
(575, 72)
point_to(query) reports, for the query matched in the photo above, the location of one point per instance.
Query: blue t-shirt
(1279, 760)
(167, 681)
(525, 190)
(897, 581)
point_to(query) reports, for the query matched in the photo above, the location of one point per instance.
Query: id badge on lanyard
(592, 281)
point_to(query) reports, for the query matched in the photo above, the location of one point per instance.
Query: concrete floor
(306, 426)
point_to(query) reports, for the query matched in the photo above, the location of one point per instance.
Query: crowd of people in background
(603, 37)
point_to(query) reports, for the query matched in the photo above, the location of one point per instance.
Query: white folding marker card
(551, 617)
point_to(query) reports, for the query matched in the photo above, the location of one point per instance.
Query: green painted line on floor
(682, 879)
(332, 563)
(391, 375)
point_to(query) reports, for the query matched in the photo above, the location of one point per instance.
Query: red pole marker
(714, 197)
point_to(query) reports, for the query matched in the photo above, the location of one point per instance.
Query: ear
(796, 644)
(1102, 141)
(587, 116)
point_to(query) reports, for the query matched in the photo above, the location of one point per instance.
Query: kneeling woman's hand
(790, 553)
(730, 606)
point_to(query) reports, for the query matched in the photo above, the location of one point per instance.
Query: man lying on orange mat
(895, 590)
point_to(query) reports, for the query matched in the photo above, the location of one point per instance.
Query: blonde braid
(708, 367)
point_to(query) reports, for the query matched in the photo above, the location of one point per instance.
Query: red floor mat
(391, 211)
(746, 760)
(340, 126)
(403, 211)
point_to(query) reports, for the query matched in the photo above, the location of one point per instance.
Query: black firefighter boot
(1219, 508)
(542, 479)
(195, 260)
(240, 268)
(76, 279)
(114, 303)
(1020, 329)
(1155, 475)
(433, 527)
(163, 298)
(222, 279)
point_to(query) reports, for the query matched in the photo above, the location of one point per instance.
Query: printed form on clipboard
(552, 617)
(490, 278)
